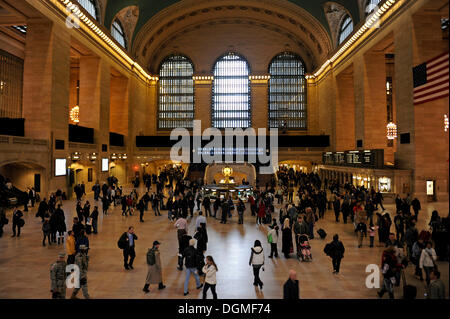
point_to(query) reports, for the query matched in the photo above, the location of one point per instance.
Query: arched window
(371, 5)
(118, 33)
(346, 28)
(176, 93)
(91, 7)
(231, 93)
(287, 92)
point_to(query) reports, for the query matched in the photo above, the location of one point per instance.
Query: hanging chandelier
(75, 114)
(391, 130)
(445, 123)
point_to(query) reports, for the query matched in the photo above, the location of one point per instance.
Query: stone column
(259, 103)
(203, 91)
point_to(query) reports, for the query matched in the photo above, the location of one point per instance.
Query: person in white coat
(210, 270)
(427, 259)
(257, 261)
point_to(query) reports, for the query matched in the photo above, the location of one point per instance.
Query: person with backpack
(46, 230)
(389, 269)
(335, 250)
(127, 244)
(361, 230)
(154, 274)
(257, 262)
(272, 239)
(210, 270)
(191, 263)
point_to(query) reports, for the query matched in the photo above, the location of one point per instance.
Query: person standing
(291, 288)
(225, 211)
(58, 277)
(416, 206)
(335, 250)
(310, 220)
(207, 205)
(82, 261)
(286, 239)
(60, 224)
(261, 212)
(127, 244)
(241, 210)
(190, 261)
(141, 208)
(272, 238)
(210, 270)
(70, 248)
(94, 218)
(257, 262)
(18, 222)
(337, 208)
(154, 274)
(200, 220)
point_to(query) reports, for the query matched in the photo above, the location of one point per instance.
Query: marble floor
(24, 262)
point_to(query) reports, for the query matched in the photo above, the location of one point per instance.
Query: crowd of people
(303, 200)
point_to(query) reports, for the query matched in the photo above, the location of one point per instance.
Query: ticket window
(431, 191)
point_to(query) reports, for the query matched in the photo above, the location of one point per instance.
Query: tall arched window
(371, 5)
(346, 28)
(118, 33)
(176, 93)
(231, 93)
(287, 92)
(91, 7)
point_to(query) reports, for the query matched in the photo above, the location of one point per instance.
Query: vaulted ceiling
(149, 8)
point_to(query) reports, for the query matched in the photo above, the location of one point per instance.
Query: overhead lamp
(391, 128)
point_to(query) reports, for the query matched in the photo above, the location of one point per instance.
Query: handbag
(21, 222)
(435, 267)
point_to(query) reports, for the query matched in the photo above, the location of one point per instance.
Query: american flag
(431, 80)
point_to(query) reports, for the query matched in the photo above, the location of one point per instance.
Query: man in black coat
(127, 244)
(291, 289)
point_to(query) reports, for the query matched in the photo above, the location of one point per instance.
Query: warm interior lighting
(75, 114)
(445, 123)
(391, 131)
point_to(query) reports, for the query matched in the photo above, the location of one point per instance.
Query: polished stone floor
(24, 262)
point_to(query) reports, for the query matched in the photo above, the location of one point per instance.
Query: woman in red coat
(261, 212)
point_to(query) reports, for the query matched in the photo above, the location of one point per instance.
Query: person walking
(272, 238)
(335, 250)
(141, 208)
(70, 247)
(291, 288)
(58, 277)
(388, 268)
(154, 273)
(190, 261)
(436, 289)
(427, 260)
(127, 244)
(415, 203)
(82, 261)
(225, 211)
(210, 270)
(337, 208)
(18, 222)
(257, 262)
(286, 239)
(310, 220)
(60, 224)
(46, 230)
(207, 205)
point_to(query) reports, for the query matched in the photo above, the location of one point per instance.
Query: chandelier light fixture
(75, 114)
(391, 131)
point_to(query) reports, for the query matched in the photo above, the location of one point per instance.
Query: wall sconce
(391, 131)
(445, 123)
(75, 156)
(113, 157)
(75, 114)
(93, 156)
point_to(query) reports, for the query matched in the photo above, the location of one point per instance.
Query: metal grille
(91, 7)
(346, 29)
(231, 93)
(287, 92)
(11, 85)
(118, 33)
(176, 93)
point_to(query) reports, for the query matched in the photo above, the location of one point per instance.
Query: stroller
(304, 249)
